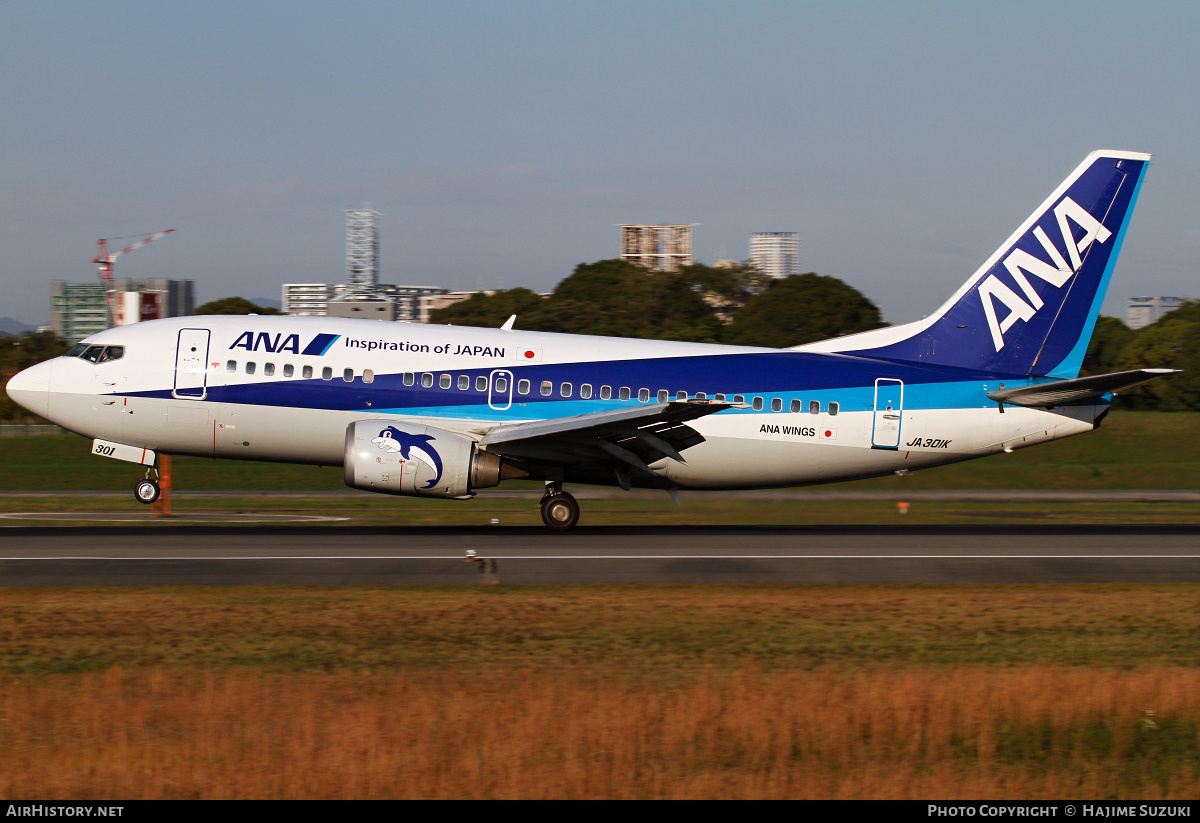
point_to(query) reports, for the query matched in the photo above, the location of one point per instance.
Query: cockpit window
(96, 354)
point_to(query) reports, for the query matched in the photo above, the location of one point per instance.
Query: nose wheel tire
(560, 511)
(146, 491)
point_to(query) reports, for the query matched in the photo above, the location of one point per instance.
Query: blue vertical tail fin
(1031, 307)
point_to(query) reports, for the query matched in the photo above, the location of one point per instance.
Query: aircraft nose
(31, 388)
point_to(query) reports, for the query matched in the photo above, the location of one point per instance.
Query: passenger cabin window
(624, 392)
(720, 398)
(681, 395)
(522, 387)
(663, 395)
(348, 375)
(814, 406)
(643, 395)
(834, 407)
(501, 384)
(327, 373)
(250, 368)
(797, 406)
(701, 395)
(444, 381)
(409, 378)
(758, 404)
(307, 372)
(481, 383)
(464, 382)
(426, 380)
(231, 366)
(288, 370)
(585, 391)
(605, 392)
(566, 389)
(776, 404)
(368, 376)
(547, 388)
(269, 369)
(739, 398)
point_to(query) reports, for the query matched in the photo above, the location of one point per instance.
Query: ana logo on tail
(411, 446)
(1056, 271)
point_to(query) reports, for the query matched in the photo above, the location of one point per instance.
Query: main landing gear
(147, 489)
(560, 511)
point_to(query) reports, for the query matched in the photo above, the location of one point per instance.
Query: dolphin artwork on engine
(393, 440)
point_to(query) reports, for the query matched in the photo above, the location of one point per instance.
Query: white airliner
(441, 411)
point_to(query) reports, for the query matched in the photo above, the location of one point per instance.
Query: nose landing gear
(147, 490)
(560, 511)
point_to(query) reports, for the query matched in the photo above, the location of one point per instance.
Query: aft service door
(889, 410)
(500, 389)
(191, 361)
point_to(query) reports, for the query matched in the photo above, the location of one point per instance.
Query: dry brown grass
(1034, 731)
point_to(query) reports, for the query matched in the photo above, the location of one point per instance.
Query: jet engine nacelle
(393, 457)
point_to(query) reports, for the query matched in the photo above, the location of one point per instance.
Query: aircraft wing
(1079, 389)
(625, 439)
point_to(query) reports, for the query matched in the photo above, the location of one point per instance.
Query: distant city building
(662, 247)
(78, 310)
(305, 299)
(405, 303)
(1142, 311)
(433, 302)
(362, 249)
(138, 300)
(775, 253)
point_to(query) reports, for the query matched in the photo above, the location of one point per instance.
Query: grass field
(1132, 450)
(941, 692)
(947, 692)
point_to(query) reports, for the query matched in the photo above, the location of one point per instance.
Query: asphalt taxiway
(320, 555)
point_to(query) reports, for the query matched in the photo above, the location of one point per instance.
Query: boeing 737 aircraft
(441, 411)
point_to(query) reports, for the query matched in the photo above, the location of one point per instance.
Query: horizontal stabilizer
(1077, 390)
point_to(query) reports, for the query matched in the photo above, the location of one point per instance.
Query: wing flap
(634, 437)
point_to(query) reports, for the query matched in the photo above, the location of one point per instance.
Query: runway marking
(459, 557)
(194, 518)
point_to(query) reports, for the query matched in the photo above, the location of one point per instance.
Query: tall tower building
(361, 295)
(362, 248)
(775, 253)
(660, 247)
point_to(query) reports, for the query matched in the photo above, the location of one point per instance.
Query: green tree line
(701, 304)
(1171, 343)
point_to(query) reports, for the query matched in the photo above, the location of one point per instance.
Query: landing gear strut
(560, 511)
(147, 489)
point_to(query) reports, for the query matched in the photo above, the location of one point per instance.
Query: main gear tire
(560, 512)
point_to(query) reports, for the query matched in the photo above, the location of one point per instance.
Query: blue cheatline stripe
(320, 344)
(1070, 365)
(917, 397)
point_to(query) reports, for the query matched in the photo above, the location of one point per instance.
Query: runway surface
(244, 555)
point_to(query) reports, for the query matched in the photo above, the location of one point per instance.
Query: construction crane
(107, 260)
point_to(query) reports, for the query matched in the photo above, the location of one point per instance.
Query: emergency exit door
(191, 361)
(889, 413)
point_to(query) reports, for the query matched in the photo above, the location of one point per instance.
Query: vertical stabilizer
(1032, 306)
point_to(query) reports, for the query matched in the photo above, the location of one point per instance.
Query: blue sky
(505, 141)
